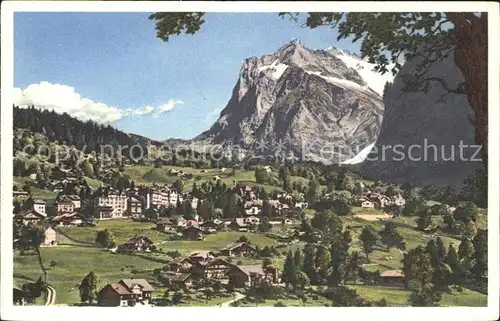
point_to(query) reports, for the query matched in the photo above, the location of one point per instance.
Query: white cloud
(64, 99)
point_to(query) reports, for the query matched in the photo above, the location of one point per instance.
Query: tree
(88, 288)
(328, 223)
(289, 269)
(209, 292)
(424, 296)
(441, 249)
(313, 191)
(264, 225)
(322, 260)
(105, 239)
(480, 243)
(297, 259)
(368, 240)
(344, 297)
(466, 212)
(390, 237)
(465, 250)
(424, 220)
(417, 266)
(309, 266)
(353, 266)
(302, 280)
(451, 257)
(31, 236)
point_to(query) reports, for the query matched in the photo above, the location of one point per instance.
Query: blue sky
(115, 59)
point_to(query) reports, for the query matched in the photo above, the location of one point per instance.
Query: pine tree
(465, 250)
(88, 288)
(297, 259)
(451, 257)
(441, 249)
(309, 266)
(288, 269)
(368, 240)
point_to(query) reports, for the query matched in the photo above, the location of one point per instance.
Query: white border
(10, 312)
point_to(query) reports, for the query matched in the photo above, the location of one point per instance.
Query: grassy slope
(399, 296)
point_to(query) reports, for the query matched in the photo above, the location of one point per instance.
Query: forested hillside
(88, 136)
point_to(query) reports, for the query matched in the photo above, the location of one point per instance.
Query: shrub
(279, 304)
(239, 262)
(52, 263)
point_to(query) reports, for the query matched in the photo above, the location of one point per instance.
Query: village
(175, 214)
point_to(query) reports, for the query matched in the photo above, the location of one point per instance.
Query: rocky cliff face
(322, 105)
(421, 120)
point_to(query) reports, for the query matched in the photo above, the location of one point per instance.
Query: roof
(135, 239)
(190, 227)
(67, 215)
(145, 286)
(65, 201)
(392, 273)
(39, 202)
(105, 208)
(234, 245)
(179, 277)
(251, 269)
(28, 214)
(74, 197)
(119, 288)
(203, 254)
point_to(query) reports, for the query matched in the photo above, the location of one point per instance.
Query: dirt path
(51, 295)
(226, 304)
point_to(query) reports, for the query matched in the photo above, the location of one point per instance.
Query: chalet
(237, 249)
(165, 224)
(65, 205)
(210, 226)
(392, 277)
(181, 264)
(216, 268)
(56, 186)
(134, 206)
(366, 203)
(76, 200)
(143, 293)
(238, 224)
(253, 211)
(104, 212)
(242, 276)
(182, 280)
(69, 219)
(36, 205)
(27, 217)
(127, 292)
(301, 205)
(398, 200)
(193, 233)
(20, 194)
(201, 256)
(251, 220)
(378, 199)
(137, 244)
(50, 237)
(286, 197)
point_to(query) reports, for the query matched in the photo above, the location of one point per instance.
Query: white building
(39, 206)
(118, 202)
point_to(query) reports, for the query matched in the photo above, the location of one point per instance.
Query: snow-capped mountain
(323, 105)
